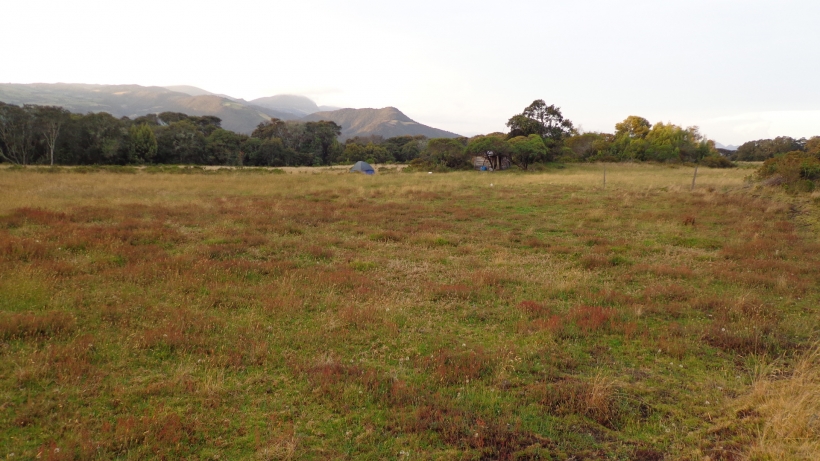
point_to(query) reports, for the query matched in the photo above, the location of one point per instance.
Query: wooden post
(604, 175)
(694, 177)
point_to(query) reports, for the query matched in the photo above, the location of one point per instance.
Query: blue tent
(363, 167)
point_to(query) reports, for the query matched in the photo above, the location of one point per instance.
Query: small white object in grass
(429, 172)
(491, 184)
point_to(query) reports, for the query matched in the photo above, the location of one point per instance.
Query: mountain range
(237, 114)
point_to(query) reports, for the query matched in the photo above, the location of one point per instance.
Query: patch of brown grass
(35, 325)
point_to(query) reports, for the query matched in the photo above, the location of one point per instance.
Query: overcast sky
(739, 69)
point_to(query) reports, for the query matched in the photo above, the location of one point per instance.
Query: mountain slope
(237, 114)
(135, 100)
(298, 105)
(387, 122)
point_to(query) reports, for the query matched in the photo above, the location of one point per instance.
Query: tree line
(34, 134)
(540, 134)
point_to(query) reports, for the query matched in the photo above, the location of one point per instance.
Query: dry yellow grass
(59, 191)
(787, 409)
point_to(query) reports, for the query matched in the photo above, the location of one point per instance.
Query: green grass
(158, 315)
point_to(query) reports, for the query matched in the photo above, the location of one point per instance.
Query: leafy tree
(445, 153)
(142, 146)
(527, 150)
(49, 122)
(224, 147)
(763, 149)
(321, 137)
(493, 148)
(541, 119)
(405, 148)
(181, 142)
(812, 146)
(633, 127)
(18, 133)
(273, 128)
(100, 139)
(371, 153)
(588, 146)
(268, 152)
(634, 139)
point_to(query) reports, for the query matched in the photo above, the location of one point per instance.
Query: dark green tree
(102, 139)
(762, 149)
(142, 144)
(224, 147)
(541, 119)
(181, 142)
(320, 137)
(18, 133)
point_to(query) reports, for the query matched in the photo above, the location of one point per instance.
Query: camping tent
(363, 167)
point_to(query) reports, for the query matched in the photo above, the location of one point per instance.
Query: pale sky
(739, 69)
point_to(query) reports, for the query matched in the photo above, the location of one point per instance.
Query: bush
(796, 170)
(717, 161)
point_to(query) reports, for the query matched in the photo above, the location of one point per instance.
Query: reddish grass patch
(533, 309)
(454, 291)
(360, 317)
(35, 325)
(23, 249)
(666, 293)
(590, 319)
(453, 366)
(494, 437)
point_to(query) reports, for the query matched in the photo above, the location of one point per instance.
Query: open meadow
(324, 315)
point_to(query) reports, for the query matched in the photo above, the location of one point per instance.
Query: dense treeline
(541, 134)
(762, 149)
(51, 135)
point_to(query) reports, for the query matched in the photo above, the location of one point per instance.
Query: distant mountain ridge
(729, 147)
(237, 114)
(387, 122)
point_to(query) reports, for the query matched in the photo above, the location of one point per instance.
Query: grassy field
(326, 315)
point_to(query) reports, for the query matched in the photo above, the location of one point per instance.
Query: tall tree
(321, 136)
(224, 147)
(633, 127)
(18, 133)
(49, 121)
(142, 144)
(181, 142)
(541, 119)
(102, 137)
